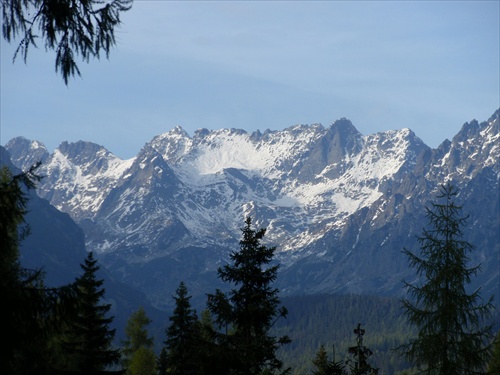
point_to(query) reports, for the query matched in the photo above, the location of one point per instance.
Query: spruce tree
(452, 335)
(249, 310)
(182, 336)
(89, 339)
(360, 353)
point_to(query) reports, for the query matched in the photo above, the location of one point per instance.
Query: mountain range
(338, 205)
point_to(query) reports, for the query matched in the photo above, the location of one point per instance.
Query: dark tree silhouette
(72, 28)
(182, 337)
(326, 367)
(452, 335)
(360, 353)
(89, 339)
(250, 309)
(32, 313)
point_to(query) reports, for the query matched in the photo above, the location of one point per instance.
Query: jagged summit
(179, 130)
(24, 153)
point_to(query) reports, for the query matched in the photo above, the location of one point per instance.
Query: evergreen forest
(330, 320)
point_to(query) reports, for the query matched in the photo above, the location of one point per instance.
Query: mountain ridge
(338, 204)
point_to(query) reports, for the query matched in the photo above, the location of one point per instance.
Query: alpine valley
(338, 205)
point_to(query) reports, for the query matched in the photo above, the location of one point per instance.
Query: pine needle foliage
(453, 337)
(71, 28)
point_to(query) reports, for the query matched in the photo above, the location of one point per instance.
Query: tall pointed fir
(181, 345)
(453, 337)
(88, 342)
(246, 314)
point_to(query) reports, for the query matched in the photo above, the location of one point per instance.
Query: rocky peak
(173, 145)
(201, 133)
(343, 139)
(475, 147)
(178, 130)
(24, 153)
(80, 151)
(150, 167)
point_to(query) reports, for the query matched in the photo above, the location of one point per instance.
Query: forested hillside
(330, 320)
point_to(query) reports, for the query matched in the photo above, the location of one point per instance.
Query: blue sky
(427, 66)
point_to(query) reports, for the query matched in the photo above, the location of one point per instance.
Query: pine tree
(182, 333)
(250, 309)
(89, 338)
(360, 353)
(452, 335)
(137, 336)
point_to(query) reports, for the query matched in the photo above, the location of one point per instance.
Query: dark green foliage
(142, 362)
(182, 337)
(71, 28)
(452, 335)
(245, 315)
(162, 362)
(360, 353)
(13, 201)
(321, 362)
(88, 339)
(31, 312)
(137, 338)
(326, 367)
(494, 365)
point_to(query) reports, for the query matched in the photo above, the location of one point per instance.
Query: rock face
(340, 206)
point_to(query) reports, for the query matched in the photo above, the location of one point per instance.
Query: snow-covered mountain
(338, 205)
